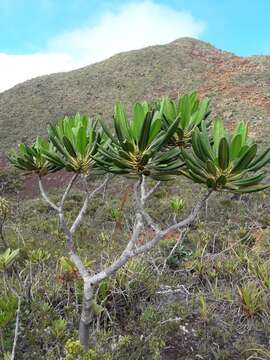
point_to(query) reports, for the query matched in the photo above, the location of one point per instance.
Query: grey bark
(132, 248)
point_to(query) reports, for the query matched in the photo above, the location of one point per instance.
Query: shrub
(154, 143)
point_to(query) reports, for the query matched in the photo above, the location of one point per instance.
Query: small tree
(153, 143)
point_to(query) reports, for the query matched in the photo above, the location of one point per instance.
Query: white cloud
(134, 26)
(18, 68)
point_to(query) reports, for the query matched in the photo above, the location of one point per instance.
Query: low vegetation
(128, 273)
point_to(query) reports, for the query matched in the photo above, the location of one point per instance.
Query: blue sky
(44, 36)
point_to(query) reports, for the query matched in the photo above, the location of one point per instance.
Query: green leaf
(145, 131)
(138, 119)
(245, 159)
(168, 134)
(211, 167)
(69, 146)
(210, 182)
(223, 154)
(260, 160)
(250, 189)
(218, 133)
(236, 145)
(169, 110)
(252, 180)
(122, 122)
(185, 110)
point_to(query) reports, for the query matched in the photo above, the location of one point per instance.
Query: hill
(239, 87)
(203, 293)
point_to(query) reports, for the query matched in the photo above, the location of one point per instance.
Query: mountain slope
(237, 86)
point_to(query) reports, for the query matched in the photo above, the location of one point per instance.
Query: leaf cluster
(228, 162)
(162, 141)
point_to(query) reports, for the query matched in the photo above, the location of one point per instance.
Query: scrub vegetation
(157, 247)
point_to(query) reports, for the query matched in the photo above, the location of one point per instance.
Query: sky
(39, 37)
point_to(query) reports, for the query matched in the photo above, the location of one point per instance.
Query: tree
(161, 143)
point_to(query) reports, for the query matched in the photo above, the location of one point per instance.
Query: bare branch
(180, 239)
(124, 257)
(12, 356)
(140, 196)
(73, 179)
(184, 223)
(130, 250)
(89, 196)
(151, 191)
(45, 196)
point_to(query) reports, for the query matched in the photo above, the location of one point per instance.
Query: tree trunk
(86, 316)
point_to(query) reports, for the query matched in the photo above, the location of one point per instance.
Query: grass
(208, 299)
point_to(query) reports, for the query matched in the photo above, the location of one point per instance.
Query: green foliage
(261, 269)
(76, 140)
(177, 204)
(226, 163)
(252, 299)
(175, 253)
(8, 307)
(135, 149)
(4, 208)
(39, 255)
(190, 111)
(31, 159)
(126, 316)
(59, 327)
(7, 258)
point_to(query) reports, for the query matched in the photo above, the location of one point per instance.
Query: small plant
(4, 207)
(204, 308)
(5, 210)
(7, 258)
(262, 271)
(39, 255)
(252, 299)
(59, 327)
(68, 270)
(8, 307)
(174, 252)
(116, 214)
(177, 204)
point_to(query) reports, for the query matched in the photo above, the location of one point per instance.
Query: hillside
(202, 292)
(239, 87)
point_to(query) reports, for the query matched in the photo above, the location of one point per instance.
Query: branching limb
(88, 197)
(124, 257)
(70, 231)
(180, 239)
(184, 223)
(151, 191)
(12, 356)
(45, 196)
(131, 250)
(141, 195)
(68, 188)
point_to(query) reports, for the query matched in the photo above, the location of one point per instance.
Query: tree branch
(69, 232)
(141, 196)
(73, 179)
(12, 357)
(89, 196)
(124, 257)
(45, 196)
(184, 223)
(130, 250)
